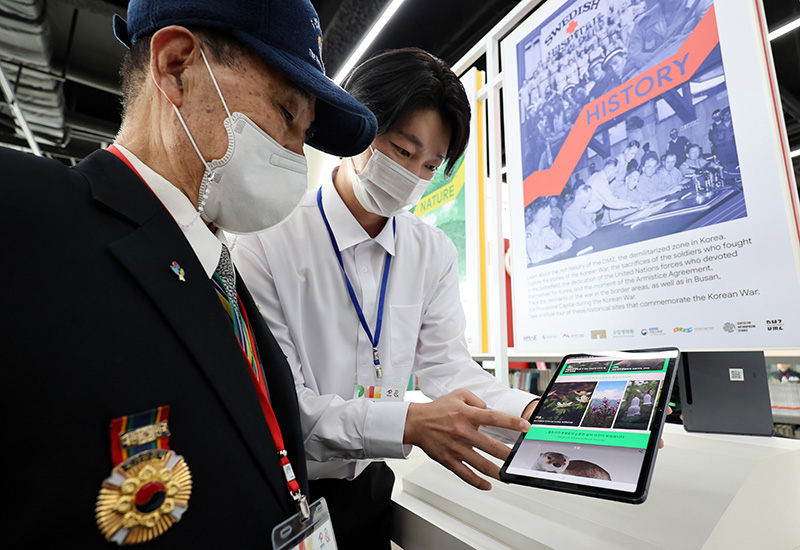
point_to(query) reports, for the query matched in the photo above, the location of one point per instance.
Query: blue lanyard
(387, 264)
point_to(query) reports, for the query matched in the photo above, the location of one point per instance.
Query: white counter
(709, 492)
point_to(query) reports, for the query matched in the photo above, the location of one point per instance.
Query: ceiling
(63, 59)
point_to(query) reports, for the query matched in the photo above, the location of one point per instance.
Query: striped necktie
(224, 280)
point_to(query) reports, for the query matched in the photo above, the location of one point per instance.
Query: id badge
(314, 533)
(390, 388)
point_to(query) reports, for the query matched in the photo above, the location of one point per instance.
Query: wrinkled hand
(447, 430)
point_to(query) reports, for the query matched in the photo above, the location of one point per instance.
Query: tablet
(596, 430)
(725, 392)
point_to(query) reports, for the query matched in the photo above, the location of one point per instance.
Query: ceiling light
(788, 27)
(367, 41)
(795, 153)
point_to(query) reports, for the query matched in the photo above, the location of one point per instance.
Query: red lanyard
(261, 390)
(275, 430)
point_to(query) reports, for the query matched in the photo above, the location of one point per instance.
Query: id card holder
(314, 533)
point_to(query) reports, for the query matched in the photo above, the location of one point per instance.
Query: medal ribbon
(387, 264)
(257, 378)
(139, 432)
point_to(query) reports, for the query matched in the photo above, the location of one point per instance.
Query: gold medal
(143, 497)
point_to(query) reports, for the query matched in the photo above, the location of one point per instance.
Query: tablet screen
(597, 424)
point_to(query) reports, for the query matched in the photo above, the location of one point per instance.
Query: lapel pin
(178, 270)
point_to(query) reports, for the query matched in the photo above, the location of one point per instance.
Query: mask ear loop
(204, 187)
(201, 199)
(191, 139)
(214, 80)
(353, 164)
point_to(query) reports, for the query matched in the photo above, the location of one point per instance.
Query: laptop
(725, 392)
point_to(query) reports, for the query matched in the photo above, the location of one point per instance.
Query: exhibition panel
(668, 170)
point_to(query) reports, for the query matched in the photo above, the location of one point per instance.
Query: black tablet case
(725, 392)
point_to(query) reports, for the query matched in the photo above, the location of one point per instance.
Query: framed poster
(650, 193)
(453, 204)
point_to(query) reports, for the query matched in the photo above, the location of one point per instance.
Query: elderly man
(153, 391)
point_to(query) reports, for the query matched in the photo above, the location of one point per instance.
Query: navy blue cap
(286, 34)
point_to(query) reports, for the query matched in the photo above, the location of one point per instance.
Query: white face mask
(256, 185)
(385, 188)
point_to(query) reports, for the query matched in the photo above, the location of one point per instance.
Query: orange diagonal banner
(645, 86)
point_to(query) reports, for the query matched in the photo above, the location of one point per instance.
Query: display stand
(708, 492)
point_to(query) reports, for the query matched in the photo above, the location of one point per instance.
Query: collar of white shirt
(206, 245)
(345, 227)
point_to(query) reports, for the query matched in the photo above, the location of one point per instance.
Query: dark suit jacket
(97, 326)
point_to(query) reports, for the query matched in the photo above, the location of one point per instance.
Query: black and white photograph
(663, 167)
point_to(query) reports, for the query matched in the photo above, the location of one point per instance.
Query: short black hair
(220, 46)
(395, 83)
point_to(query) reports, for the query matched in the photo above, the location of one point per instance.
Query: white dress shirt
(295, 278)
(206, 245)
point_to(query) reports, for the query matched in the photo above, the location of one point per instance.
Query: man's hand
(526, 414)
(447, 430)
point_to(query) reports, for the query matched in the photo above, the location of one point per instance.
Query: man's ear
(172, 50)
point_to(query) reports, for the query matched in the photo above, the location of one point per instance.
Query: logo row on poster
(730, 327)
